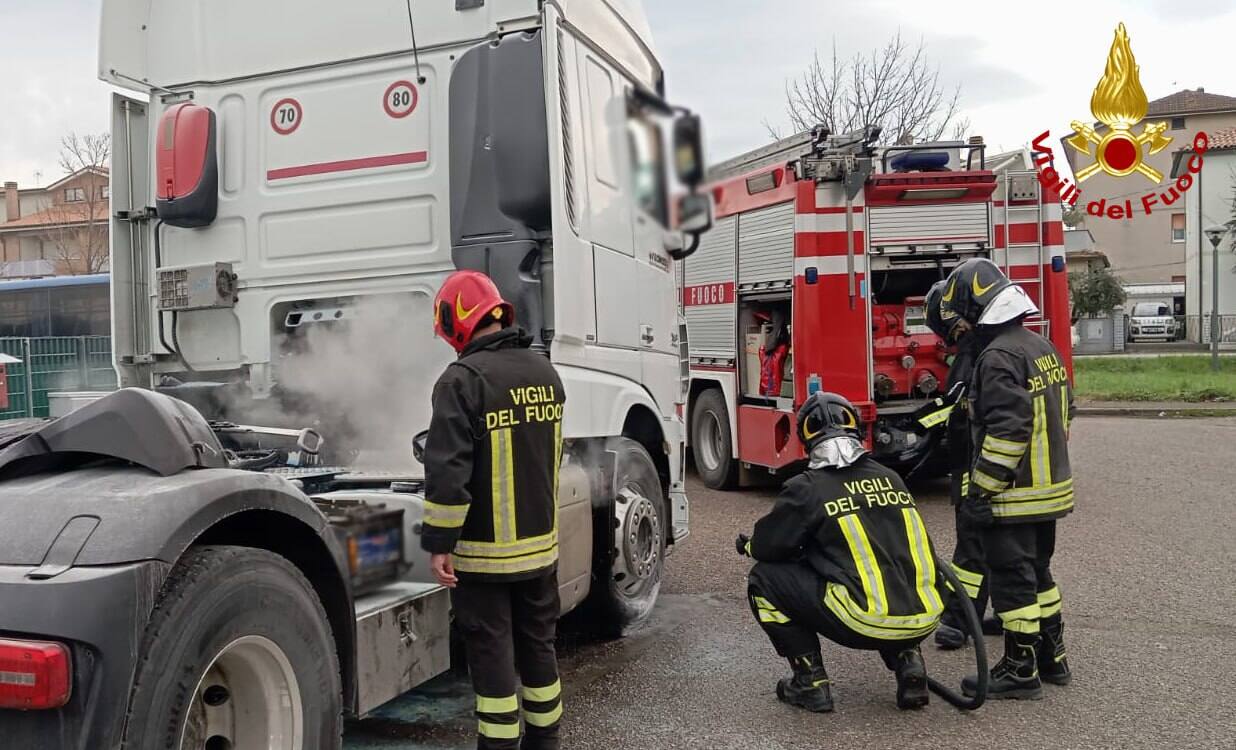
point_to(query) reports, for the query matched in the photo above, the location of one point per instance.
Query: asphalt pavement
(1145, 564)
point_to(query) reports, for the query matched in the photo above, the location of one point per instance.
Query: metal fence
(1201, 332)
(53, 364)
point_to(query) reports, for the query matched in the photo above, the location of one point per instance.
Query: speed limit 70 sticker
(400, 99)
(286, 115)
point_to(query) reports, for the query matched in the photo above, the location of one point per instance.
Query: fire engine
(813, 277)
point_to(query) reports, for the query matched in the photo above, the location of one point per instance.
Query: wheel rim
(710, 441)
(248, 699)
(638, 534)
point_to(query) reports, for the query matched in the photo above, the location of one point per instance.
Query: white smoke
(368, 382)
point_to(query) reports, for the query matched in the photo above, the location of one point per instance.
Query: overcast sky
(1022, 67)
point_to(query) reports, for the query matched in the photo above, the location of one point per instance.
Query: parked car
(1152, 321)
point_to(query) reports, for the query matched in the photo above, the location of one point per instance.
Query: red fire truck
(814, 275)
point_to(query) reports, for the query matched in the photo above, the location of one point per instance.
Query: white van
(1152, 321)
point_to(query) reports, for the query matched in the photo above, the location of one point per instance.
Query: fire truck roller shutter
(707, 276)
(499, 162)
(766, 247)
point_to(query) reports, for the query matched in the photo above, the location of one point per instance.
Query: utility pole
(1215, 234)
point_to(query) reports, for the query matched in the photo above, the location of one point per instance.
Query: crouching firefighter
(949, 415)
(1021, 481)
(491, 473)
(843, 554)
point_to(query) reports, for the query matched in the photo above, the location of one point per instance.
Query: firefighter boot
(1053, 666)
(808, 687)
(949, 635)
(911, 673)
(1014, 676)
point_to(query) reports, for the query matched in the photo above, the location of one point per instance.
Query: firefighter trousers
(508, 630)
(787, 600)
(969, 563)
(1023, 592)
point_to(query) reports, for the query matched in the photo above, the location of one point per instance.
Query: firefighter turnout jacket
(492, 458)
(857, 527)
(1021, 406)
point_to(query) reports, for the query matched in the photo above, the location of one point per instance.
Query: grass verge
(1155, 379)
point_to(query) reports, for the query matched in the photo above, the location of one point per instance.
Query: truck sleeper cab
(355, 169)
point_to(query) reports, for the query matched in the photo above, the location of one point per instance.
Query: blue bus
(56, 306)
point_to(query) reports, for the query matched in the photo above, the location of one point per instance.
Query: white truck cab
(291, 184)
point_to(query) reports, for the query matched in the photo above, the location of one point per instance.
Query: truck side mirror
(688, 150)
(418, 446)
(695, 216)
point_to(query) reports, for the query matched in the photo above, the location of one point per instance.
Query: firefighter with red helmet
(1020, 481)
(949, 414)
(843, 554)
(491, 524)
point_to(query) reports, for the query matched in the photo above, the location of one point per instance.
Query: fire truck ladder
(1021, 185)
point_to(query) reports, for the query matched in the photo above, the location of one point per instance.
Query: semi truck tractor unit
(224, 553)
(814, 276)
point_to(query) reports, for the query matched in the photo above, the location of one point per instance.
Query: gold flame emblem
(1119, 102)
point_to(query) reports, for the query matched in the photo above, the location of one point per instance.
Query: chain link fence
(54, 364)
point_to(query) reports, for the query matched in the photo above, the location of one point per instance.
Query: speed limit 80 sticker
(400, 99)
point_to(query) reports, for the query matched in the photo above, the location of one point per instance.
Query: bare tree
(78, 230)
(893, 87)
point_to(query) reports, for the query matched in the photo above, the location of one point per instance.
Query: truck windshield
(1149, 310)
(649, 175)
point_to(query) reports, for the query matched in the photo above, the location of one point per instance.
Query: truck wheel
(711, 445)
(626, 592)
(238, 655)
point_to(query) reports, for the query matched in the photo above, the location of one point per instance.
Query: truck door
(609, 214)
(656, 310)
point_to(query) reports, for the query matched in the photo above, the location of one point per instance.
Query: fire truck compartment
(767, 437)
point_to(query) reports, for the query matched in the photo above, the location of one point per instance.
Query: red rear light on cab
(34, 674)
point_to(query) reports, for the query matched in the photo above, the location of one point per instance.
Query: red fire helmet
(467, 301)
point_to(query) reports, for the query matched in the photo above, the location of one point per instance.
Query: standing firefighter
(950, 414)
(1020, 482)
(491, 522)
(843, 554)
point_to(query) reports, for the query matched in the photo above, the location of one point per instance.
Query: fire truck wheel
(711, 445)
(238, 654)
(625, 594)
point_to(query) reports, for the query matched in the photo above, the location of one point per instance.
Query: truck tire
(626, 591)
(238, 655)
(711, 444)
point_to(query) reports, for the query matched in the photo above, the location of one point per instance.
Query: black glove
(976, 509)
(743, 545)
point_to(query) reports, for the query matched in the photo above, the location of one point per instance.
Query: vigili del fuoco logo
(1119, 104)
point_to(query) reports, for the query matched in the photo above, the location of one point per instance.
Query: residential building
(1213, 203)
(1080, 252)
(61, 229)
(1152, 249)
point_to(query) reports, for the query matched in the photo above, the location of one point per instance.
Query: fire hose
(974, 626)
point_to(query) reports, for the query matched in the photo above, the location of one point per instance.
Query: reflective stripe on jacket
(492, 458)
(1022, 403)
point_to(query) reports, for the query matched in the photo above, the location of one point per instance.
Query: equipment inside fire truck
(814, 275)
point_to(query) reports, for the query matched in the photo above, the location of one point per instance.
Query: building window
(1178, 123)
(1178, 227)
(74, 195)
(105, 191)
